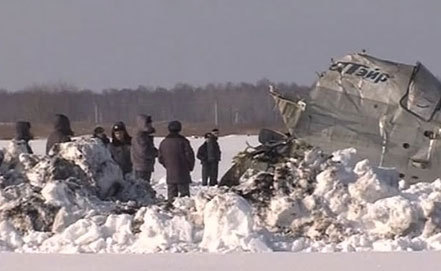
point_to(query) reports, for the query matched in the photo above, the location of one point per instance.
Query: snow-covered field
(307, 203)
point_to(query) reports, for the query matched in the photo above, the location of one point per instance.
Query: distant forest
(236, 104)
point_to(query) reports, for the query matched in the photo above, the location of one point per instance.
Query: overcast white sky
(98, 44)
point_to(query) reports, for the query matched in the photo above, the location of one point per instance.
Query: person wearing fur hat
(62, 132)
(143, 148)
(120, 147)
(100, 134)
(177, 156)
(23, 133)
(209, 154)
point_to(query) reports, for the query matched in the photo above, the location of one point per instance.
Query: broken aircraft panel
(389, 111)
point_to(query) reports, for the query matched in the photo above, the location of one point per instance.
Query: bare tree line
(236, 104)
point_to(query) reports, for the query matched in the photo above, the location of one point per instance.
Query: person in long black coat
(2, 156)
(120, 147)
(143, 151)
(23, 133)
(177, 156)
(62, 132)
(209, 154)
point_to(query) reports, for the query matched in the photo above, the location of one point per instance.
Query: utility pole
(97, 115)
(216, 118)
(236, 117)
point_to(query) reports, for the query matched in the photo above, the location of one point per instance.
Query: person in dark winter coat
(23, 132)
(120, 147)
(99, 133)
(62, 132)
(2, 156)
(209, 153)
(143, 148)
(177, 156)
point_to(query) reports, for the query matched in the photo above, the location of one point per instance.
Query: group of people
(138, 154)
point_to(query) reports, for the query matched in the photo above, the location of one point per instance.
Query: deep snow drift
(76, 200)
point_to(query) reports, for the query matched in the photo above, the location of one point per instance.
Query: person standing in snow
(143, 149)
(23, 133)
(62, 132)
(177, 156)
(99, 133)
(209, 153)
(120, 147)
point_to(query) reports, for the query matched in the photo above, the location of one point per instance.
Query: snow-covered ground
(306, 202)
(362, 261)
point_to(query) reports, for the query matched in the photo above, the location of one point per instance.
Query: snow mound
(162, 230)
(336, 203)
(12, 152)
(95, 161)
(48, 194)
(229, 225)
(295, 198)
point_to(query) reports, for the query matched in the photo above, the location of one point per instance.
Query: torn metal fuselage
(390, 112)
